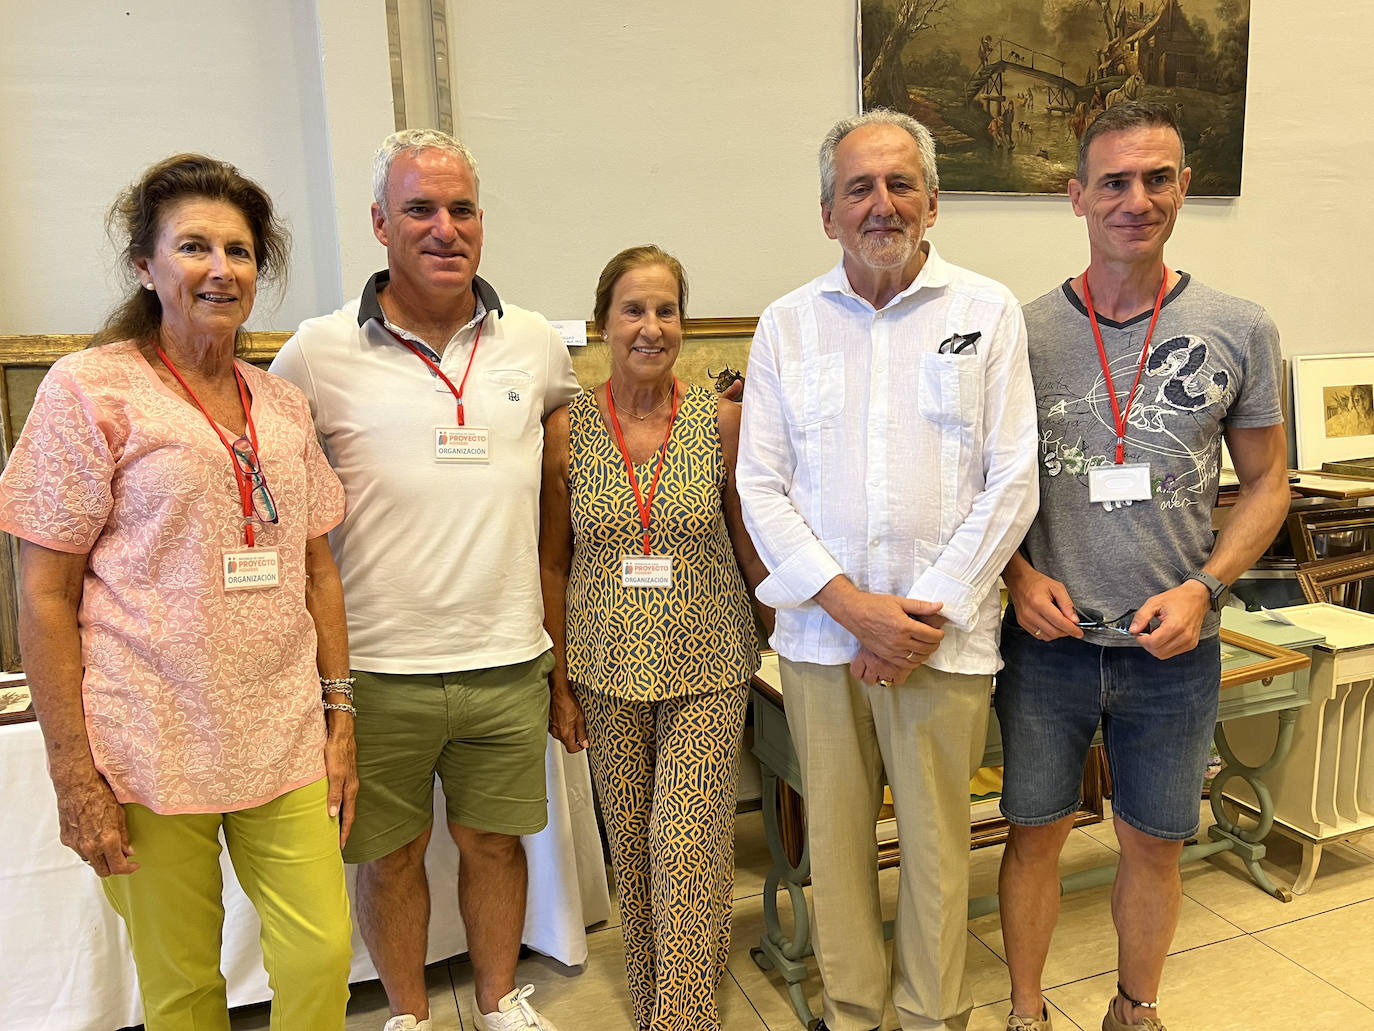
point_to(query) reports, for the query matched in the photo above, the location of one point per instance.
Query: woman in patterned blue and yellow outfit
(642, 547)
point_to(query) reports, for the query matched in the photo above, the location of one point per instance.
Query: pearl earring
(148, 286)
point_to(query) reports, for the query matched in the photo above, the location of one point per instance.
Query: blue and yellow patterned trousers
(666, 774)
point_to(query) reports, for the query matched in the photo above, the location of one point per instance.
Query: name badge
(462, 444)
(1119, 483)
(651, 571)
(252, 569)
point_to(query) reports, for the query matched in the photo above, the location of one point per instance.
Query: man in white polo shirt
(429, 396)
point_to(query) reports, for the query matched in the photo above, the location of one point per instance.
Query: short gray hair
(925, 143)
(413, 141)
(1123, 117)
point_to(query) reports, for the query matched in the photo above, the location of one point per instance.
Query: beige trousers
(927, 736)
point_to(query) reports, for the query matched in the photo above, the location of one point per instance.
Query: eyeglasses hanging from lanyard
(257, 499)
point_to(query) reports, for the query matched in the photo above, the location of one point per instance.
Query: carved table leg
(1311, 859)
(1249, 844)
(783, 828)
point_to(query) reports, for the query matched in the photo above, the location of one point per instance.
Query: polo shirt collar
(370, 308)
(934, 273)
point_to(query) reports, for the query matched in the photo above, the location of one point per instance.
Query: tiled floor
(1241, 959)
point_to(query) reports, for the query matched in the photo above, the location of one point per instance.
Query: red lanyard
(1119, 416)
(457, 391)
(645, 506)
(245, 491)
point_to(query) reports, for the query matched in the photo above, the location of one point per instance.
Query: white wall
(93, 92)
(605, 123)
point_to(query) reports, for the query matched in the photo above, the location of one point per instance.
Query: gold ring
(1035, 633)
(910, 654)
(885, 682)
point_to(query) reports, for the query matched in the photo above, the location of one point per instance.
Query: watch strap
(1215, 587)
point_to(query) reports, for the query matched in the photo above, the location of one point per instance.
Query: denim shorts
(1157, 719)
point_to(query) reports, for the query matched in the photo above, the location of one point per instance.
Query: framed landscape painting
(1008, 87)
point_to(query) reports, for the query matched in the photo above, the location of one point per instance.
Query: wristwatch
(1215, 587)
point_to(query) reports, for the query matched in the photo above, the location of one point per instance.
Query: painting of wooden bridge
(1008, 87)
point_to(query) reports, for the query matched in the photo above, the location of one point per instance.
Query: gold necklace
(630, 411)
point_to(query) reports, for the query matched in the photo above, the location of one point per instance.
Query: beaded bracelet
(337, 683)
(347, 692)
(342, 707)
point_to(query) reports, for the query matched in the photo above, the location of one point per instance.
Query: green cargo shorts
(484, 733)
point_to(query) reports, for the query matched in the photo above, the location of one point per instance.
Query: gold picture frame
(1348, 582)
(709, 344)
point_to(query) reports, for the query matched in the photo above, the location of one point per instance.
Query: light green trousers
(286, 856)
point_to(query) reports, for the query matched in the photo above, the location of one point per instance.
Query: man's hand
(897, 631)
(1180, 612)
(1042, 604)
(870, 669)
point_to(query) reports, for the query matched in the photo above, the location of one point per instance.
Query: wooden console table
(1264, 671)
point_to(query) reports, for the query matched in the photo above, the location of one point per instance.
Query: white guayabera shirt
(868, 452)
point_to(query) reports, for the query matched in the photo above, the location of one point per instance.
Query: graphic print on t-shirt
(1174, 423)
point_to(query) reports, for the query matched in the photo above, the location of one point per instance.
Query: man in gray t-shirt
(1139, 371)
(1213, 367)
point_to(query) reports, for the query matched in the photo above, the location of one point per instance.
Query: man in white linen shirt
(887, 470)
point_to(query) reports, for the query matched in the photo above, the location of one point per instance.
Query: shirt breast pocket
(818, 393)
(510, 399)
(948, 389)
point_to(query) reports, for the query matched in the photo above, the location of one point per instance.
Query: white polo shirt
(439, 560)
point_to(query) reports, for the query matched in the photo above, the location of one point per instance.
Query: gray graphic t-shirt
(1214, 362)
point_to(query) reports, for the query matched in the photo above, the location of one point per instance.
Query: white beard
(885, 252)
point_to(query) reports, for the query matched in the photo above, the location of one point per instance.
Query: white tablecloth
(64, 956)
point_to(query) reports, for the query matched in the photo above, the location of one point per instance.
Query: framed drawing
(1333, 405)
(1008, 87)
(16, 706)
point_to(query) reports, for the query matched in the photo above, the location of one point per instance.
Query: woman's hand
(341, 766)
(91, 822)
(89, 817)
(566, 721)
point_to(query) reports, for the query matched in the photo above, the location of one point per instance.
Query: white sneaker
(406, 1022)
(513, 1013)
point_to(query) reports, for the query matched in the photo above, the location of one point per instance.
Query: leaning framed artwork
(16, 705)
(1008, 87)
(1333, 406)
(1348, 582)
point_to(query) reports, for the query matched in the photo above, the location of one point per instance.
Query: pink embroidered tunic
(197, 699)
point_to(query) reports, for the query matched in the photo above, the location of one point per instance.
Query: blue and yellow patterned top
(646, 644)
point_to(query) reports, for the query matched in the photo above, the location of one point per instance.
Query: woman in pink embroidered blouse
(182, 624)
